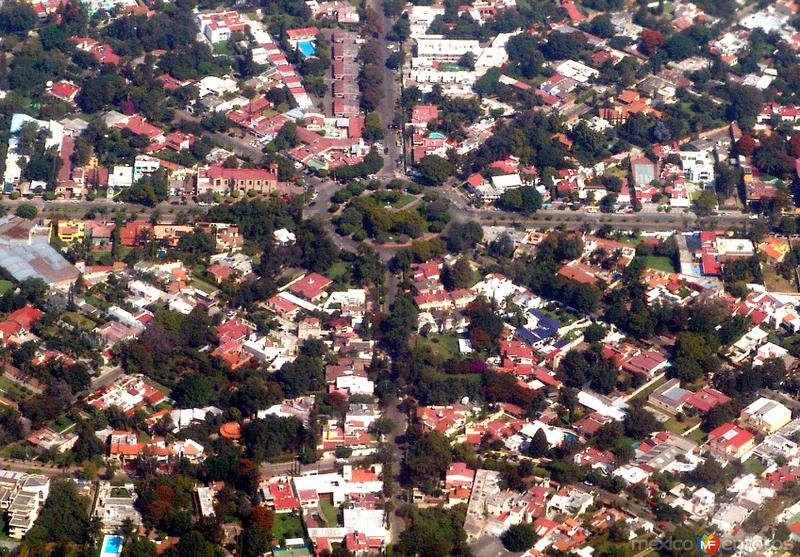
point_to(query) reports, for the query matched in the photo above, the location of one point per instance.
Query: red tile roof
(64, 90)
(25, 317)
(311, 285)
(707, 398)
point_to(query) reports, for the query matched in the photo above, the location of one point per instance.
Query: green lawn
(775, 282)
(446, 346)
(675, 426)
(97, 302)
(13, 391)
(659, 263)
(646, 393)
(337, 270)
(698, 435)
(287, 526)
(223, 48)
(474, 378)
(78, 320)
(61, 424)
(402, 201)
(754, 466)
(331, 513)
(203, 285)
(5, 286)
(120, 492)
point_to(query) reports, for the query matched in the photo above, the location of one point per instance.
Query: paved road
(44, 469)
(107, 378)
(390, 86)
(68, 205)
(396, 524)
(462, 212)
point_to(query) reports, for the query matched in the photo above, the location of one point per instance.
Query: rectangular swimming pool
(112, 546)
(307, 48)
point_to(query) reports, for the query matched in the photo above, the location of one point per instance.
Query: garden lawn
(754, 466)
(61, 424)
(775, 282)
(675, 426)
(446, 346)
(336, 271)
(5, 286)
(97, 302)
(287, 526)
(649, 390)
(13, 390)
(331, 513)
(223, 48)
(659, 263)
(78, 320)
(402, 201)
(698, 435)
(158, 386)
(203, 285)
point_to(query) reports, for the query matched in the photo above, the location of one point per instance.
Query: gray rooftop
(25, 252)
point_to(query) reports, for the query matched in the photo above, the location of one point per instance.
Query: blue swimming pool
(436, 135)
(307, 48)
(112, 546)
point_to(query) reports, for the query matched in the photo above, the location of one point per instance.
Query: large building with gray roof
(25, 252)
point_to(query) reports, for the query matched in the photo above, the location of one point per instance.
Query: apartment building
(22, 497)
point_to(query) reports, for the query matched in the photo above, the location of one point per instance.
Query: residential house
(765, 416)
(730, 442)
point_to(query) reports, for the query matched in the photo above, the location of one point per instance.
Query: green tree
(65, 517)
(538, 448)
(435, 169)
(639, 422)
(435, 532)
(193, 391)
(594, 333)
(458, 275)
(26, 211)
(706, 202)
(17, 18)
(461, 237)
(194, 544)
(255, 541)
(139, 547)
(524, 200)
(427, 460)
(519, 537)
(745, 103)
(374, 129)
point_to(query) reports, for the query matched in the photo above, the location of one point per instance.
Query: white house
(446, 50)
(144, 164)
(120, 177)
(698, 166)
